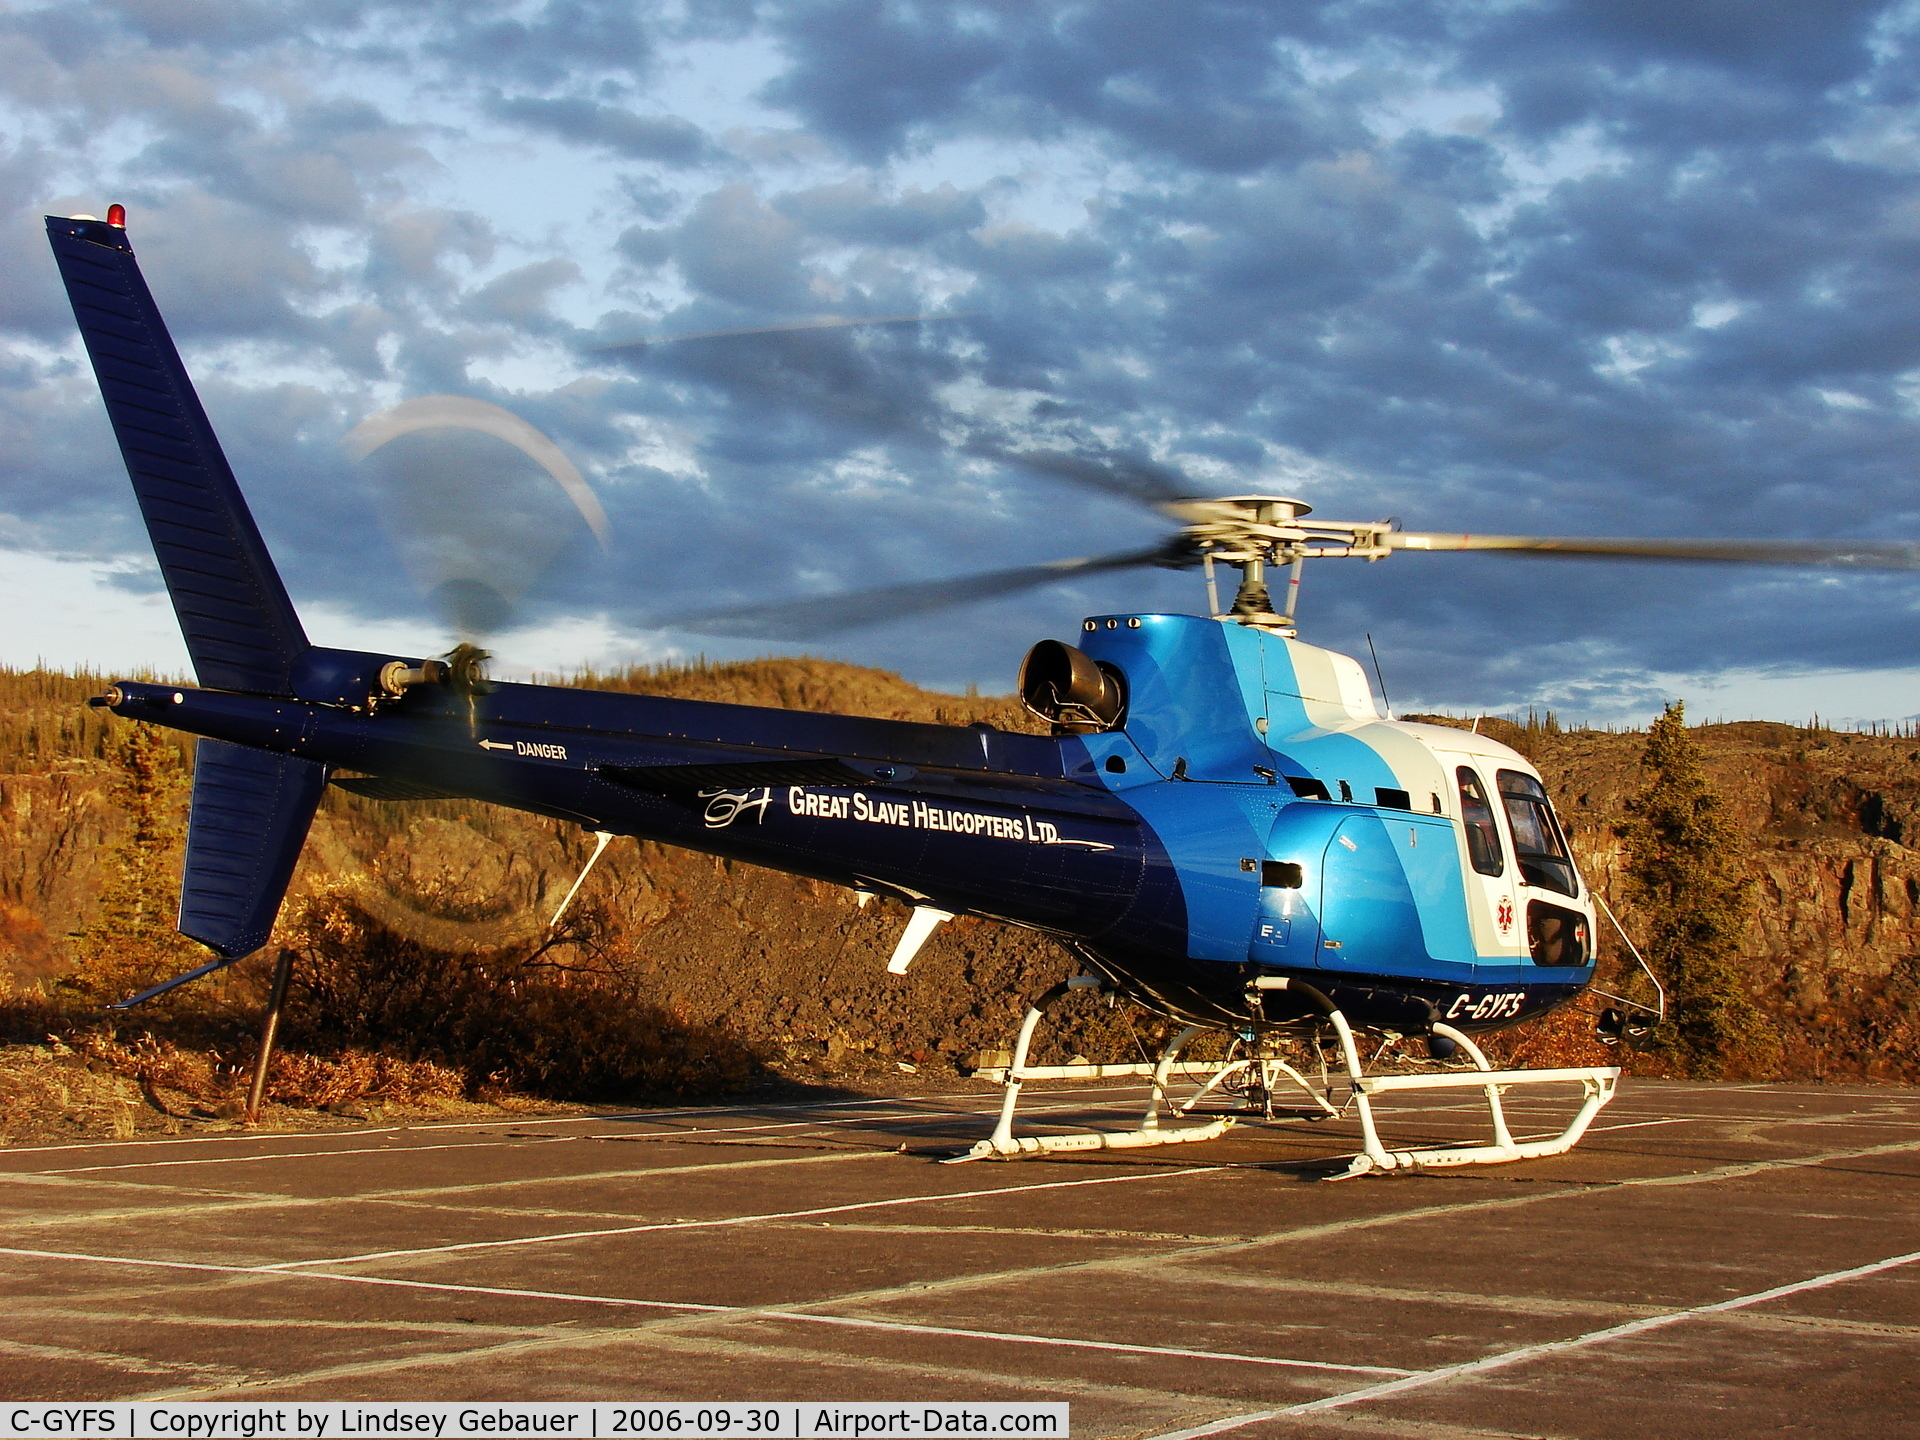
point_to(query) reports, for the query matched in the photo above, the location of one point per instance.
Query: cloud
(855, 213)
(625, 133)
(541, 44)
(737, 248)
(521, 296)
(1549, 267)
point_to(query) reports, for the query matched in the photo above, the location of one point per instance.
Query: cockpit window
(1483, 836)
(1537, 842)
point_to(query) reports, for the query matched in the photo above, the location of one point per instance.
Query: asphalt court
(1711, 1261)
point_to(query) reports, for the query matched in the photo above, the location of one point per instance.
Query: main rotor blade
(818, 322)
(1133, 477)
(807, 619)
(1856, 554)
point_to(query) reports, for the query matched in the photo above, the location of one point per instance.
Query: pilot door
(1493, 906)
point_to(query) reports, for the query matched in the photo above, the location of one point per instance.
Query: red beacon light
(117, 216)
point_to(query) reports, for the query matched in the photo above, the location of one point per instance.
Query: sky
(1626, 268)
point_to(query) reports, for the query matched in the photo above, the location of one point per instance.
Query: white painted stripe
(1638, 1125)
(1595, 1337)
(702, 1112)
(349, 1133)
(237, 1137)
(726, 1220)
(927, 1116)
(276, 1155)
(1081, 1344)
(740, 1311)
(1220, 1427)
(367, 1280)
(518, 1122)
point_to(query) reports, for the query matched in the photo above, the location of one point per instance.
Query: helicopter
(1221, 826)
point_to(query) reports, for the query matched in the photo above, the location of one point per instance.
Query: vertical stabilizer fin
(240, 627)
(251, 810)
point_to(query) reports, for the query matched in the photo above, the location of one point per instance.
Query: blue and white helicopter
(1221, 828)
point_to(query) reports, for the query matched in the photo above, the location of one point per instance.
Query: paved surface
(1713, 1261)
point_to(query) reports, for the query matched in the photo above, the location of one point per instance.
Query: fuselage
(1251, 814)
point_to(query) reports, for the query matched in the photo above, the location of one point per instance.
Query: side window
(1483, 835)
(1537, 842)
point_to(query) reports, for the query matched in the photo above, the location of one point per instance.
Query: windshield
(1483, 836)
(1537, 842)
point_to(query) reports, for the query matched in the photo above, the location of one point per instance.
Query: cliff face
(795, 969)
(1832, 945)
(57, 816)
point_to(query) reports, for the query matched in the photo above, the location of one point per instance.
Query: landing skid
(1256, 1078)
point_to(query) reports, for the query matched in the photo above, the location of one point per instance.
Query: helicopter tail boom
(240, 627)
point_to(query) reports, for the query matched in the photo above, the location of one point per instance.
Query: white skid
(1003, 1143)
(1086, 1070)
(1597, 1083)
(1101, 1140)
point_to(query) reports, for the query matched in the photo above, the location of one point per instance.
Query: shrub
(1687, 876)
(558, 1018)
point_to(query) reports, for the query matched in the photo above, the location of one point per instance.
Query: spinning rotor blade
(822, 322)
(1854, 554)
(436, 412)
(1133, 477)
(478, 501)
(807, 619)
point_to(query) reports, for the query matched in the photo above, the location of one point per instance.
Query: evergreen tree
(1686, 874)
(131, 943)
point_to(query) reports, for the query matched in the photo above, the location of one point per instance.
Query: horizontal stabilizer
(251, 810)
(240, 627)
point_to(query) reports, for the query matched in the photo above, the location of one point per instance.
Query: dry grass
(803, 683)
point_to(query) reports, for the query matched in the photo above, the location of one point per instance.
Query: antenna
(1378, 676)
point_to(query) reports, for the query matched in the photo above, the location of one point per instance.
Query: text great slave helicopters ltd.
(1221, 828)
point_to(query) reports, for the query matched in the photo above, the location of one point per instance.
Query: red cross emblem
(1506, 912)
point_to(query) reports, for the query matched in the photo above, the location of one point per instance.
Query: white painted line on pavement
(726, 1220)
(276, 1155)
(1595, 1337)
(740, 1311)
(1221, 1426)
(1080, 1344)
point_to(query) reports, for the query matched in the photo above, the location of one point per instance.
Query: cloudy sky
(1626, 268)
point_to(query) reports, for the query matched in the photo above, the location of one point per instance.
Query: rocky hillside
(792, 971)
(1831, 949)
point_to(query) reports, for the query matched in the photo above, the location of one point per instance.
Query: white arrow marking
(494, 745)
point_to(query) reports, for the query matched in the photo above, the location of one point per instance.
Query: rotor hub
(1251, 532)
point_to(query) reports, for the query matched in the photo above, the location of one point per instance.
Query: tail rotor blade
(1850, 554)
(479, 504)
(808, 619)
